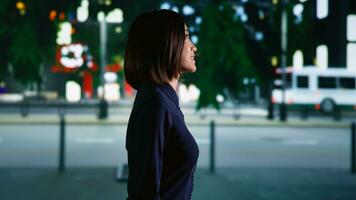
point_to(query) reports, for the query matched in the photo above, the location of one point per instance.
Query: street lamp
(284, 25)
(113, 17)
(103, 105)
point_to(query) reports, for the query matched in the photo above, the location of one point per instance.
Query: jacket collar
(165, 88)
(170, 92)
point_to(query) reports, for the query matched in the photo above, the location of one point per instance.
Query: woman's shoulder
(151, 95)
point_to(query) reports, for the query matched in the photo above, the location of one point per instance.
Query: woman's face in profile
(187, 59)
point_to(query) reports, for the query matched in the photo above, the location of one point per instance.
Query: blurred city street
(267, 89)
(255, 158)
(249, 141)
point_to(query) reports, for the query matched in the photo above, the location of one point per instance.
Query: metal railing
(122, 175)
(353, 148)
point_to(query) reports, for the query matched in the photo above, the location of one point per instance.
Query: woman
(162, 153)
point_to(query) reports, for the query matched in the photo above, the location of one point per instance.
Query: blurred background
(272, 105)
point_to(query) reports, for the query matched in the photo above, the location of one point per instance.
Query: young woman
(162, 153)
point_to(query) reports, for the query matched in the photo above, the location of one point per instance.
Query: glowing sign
(71, 56)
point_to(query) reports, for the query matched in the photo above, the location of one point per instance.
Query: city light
(244, 18)
(351, 28)
(72, 56)
(261, 15)
(183, 93)
(62, 16)
(220, 98)
(274, 61)
(64, 34)
(239, 10)
(83, 11)
(20, 5)
(322, 56)
(322, 8)
(298, 59)
(191, 29)
(198, 20)
(112, 91)
(350, 58)
(258, 35)
(175, 9)
(188, 10)
(165, 5)
(298, 9)
(101, 16)
(351, 46)
(115, 16)
(73, 91)
(194, 39)
(52, 15)
(108, 2)
(188, 94)
(118, 29)
(194, 92)
(110, 77)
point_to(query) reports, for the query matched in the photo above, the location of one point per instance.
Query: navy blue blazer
(162, 153)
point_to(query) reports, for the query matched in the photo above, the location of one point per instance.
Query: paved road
(236, 146)
(228, 184)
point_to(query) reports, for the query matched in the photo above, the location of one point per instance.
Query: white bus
(323, 89)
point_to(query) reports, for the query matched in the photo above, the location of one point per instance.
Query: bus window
(302, 82)
(277, 84)
(347, 83)
(327, 82)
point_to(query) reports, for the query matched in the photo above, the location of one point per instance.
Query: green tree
(25, 53)
(29, 35)
(223, 61)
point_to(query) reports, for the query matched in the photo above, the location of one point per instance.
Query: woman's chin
(190, 69)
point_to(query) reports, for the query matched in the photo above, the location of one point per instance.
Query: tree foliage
(223, 60)
(25, 53)
(28, 35)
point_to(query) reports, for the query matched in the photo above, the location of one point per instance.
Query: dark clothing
(162, 153)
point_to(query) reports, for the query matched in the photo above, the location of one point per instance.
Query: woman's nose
(194, 48)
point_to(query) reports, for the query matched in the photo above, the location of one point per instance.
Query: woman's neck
(174, 84)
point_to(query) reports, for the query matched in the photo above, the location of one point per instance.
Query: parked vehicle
(322, 89)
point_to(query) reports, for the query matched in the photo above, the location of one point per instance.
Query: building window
(322, 56)
(351, 58)
(298, 59)
(351, 46)
(322, 8)
(351, 28)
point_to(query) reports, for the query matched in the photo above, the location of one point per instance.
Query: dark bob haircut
(154, 48)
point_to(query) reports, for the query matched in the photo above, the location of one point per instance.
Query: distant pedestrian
(162, 153)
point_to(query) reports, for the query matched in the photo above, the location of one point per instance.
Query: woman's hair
(154, 48)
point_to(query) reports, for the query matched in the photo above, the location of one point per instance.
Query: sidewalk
(227, 184)
(191, 120)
